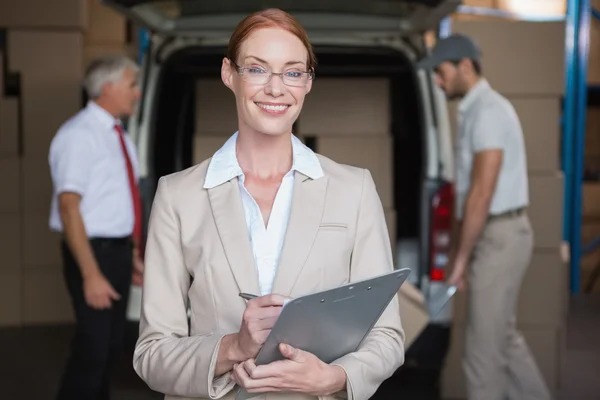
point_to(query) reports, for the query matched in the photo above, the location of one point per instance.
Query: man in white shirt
(493, 235)
(96, 205)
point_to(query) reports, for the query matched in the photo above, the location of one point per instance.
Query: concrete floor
(32, 360)
(580, 369)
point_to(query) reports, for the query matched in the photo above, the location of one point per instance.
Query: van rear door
(187, 17)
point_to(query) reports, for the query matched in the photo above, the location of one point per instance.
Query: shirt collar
(472, 95)
(224, 165)
(105, 118)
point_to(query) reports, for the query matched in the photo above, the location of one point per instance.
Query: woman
(218, 229)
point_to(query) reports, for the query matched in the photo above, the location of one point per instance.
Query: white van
(353, 39)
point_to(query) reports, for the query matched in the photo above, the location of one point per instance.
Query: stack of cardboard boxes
(341, 124)
(590, 228)
(534, 85)
(43, 53)
(216, 117)
(108, 33)
(350, 122)
(10, 221)
(545, 8)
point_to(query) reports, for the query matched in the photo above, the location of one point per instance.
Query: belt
(108, 241)
(517, 212)
(119, 241)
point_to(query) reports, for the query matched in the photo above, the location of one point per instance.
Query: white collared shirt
(266, 241)
(487, 120)
(86, 158)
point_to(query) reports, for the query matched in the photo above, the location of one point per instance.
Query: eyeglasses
(261, 76)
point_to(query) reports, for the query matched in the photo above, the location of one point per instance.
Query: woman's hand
(259, 317)
(301, 372)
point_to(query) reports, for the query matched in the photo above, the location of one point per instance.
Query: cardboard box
(36, 14)
(591, 200)
(590, 231)
(10, 198)
(507, 60)
(592, 138)
(491, 4)
(593, 73)
(374, 153)
(479, 3)
(10, 240)
(40, 247)
(546, 345)
(206, 146)
(93, 51)
(105, 25)
(216, 112)
(546, 194)
(413, 312)
(543, 298)
(540, 121)
(588, 264)
(36, 185)
(8, 120)
(348, 106)
(50, 64)
(10, 299)
(9, 126)
(476, 17)
(45, 298)
(545, 292)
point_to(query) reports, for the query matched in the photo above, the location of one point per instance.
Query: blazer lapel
(305, 217)
(228, 212)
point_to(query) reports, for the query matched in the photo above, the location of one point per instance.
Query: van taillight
(442, 207)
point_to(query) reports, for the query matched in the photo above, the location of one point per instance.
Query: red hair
(270, 18)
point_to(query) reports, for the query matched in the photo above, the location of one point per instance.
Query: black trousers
(99, 334)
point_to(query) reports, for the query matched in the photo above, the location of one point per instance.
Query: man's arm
(75, 234)
(484, 175)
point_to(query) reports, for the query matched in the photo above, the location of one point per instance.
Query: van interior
(173, 121)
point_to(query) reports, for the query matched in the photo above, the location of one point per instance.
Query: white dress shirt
(86, 158)
(266, 241)
(487, 120)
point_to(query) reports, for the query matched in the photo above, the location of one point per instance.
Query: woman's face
(268, 108)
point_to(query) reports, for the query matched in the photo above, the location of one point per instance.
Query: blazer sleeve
(382, 351)
(166, 357)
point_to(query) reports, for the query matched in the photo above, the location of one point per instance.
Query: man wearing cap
(493, 235)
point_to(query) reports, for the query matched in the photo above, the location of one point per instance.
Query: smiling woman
(256, 217)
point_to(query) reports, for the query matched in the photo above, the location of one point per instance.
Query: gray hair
(104, 70)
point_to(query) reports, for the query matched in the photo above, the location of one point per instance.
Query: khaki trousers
(497, 362)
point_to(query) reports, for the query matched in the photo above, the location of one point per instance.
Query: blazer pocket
(333, 226)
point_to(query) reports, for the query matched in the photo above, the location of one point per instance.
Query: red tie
(135, 193)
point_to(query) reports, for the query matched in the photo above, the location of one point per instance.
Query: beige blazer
(198, 254)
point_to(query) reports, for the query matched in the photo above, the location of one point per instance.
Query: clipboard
(331, 323)
(437, 303)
